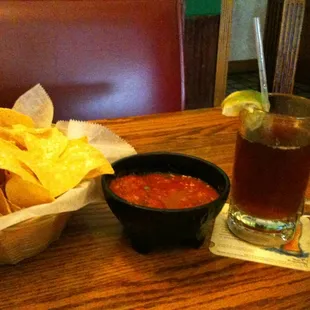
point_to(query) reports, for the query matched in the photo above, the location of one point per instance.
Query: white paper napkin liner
(224, 243)
(37, 104)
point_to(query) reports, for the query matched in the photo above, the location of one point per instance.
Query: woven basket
(30, 237)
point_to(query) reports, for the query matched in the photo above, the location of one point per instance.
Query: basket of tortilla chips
(46, 172)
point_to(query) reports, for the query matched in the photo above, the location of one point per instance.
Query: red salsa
(163, 190)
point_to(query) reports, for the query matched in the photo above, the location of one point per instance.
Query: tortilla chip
(6, 134)
(46, 142)
(50, 144)
(14, 207)
(34, 131)
(78, 159)
(18, 134)
(26, 194)
(83, 139)
(10, 156)
(39, 164)
(97, 172)
(9, 117)
(4, 206)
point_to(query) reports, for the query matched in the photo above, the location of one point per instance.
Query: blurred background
(202, 29)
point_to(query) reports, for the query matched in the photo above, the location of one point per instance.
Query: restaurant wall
(242, 42)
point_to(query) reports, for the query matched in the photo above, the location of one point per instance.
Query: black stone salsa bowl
(151, 227)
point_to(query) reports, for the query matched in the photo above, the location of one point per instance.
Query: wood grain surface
(302, 71)
(200, 58)
(282, 39)
(223, 51)
(92, 265)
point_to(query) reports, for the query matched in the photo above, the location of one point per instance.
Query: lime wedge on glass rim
(243, 99)
(250, 100)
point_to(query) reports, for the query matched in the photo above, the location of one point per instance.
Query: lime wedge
(244, 99)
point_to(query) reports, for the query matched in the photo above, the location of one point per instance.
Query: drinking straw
(261, 65)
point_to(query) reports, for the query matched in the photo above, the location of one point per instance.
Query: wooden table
(93, 266)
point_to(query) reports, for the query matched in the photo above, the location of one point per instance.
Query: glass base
(263, 232)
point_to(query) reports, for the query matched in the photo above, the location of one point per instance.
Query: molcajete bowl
(150, 227)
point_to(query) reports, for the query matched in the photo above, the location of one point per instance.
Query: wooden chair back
(282, 40)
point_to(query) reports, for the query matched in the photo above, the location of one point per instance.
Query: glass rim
(274, 114)
(288, 95)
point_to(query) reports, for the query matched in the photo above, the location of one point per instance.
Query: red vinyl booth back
(96, 59)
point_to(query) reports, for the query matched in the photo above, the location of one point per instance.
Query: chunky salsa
(163, 190)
